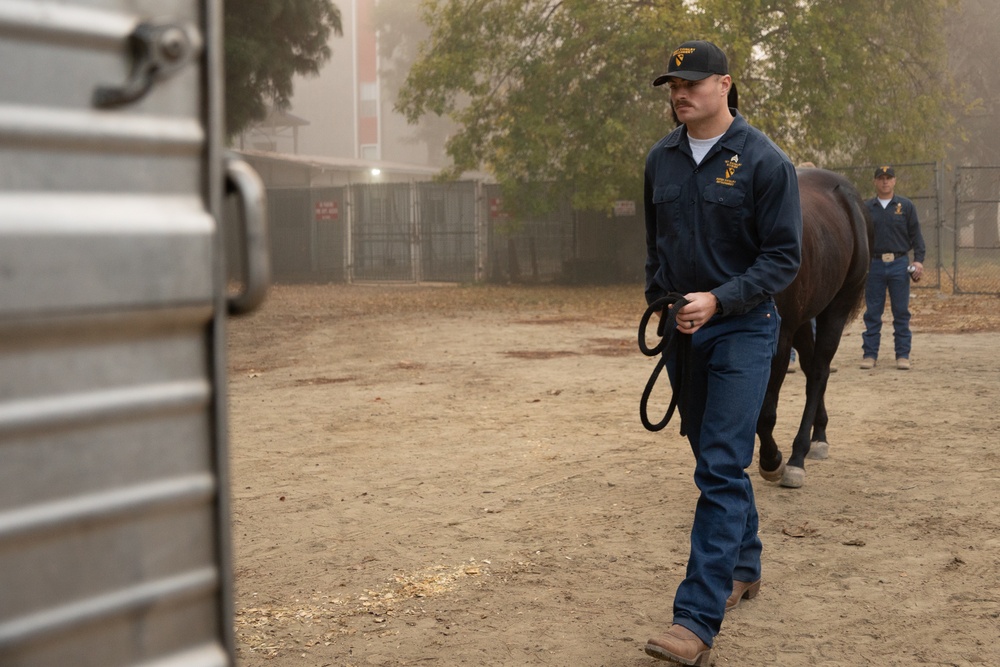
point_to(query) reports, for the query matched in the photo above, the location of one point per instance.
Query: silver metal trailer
(114, 524)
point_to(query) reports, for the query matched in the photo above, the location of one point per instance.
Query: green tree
(268, 42)
(558, 92)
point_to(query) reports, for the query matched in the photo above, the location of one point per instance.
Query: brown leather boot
(681, 646)
(742, 590)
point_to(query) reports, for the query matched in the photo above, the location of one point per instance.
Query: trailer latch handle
(157, 52)
(244, 182)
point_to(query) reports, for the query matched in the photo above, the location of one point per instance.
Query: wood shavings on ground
(267, 629)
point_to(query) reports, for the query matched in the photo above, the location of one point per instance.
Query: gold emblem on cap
(680, 53)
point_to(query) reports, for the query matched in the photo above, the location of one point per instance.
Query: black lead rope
(672, 341)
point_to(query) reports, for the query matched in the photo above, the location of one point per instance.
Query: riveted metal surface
(113, 517)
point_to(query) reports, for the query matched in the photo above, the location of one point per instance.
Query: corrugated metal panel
(93, 251)
(113, 545)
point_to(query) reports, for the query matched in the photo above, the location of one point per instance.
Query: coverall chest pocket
(666, 198)
(898, 221)
(723, 206)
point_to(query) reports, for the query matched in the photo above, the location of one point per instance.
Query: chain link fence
(959, 210)
(383, 232)
(461, 232)
(527, 250)
(975, 262)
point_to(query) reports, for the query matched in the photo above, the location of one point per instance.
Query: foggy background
(347, 111)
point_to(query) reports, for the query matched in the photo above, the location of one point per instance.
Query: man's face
(696, 100)
(884, 186)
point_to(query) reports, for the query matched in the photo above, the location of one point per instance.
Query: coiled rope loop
(672, 341)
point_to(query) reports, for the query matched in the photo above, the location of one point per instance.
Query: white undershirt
(699, 147)
(884, 202)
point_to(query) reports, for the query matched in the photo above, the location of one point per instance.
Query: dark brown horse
(830, 287)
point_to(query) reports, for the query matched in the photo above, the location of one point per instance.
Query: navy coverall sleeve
(916, 237)
(653, 289)
(779, 225)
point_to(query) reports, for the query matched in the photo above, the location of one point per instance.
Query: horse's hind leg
(794, 473)
(770, 462)
(819, 448)
(805, 345)
(812, 360)
(829, 329)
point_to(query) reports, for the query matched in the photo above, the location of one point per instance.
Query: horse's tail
(864, 238)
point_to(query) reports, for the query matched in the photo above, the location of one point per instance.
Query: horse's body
(830, 287)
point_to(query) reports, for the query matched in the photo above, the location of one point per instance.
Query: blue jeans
(731, 363)
(892, 276)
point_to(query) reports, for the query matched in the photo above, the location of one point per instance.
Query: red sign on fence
(327, 210)
(496, 209)
(624, 208)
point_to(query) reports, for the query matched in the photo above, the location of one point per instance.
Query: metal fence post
(480, 234)
(938, 218)
(416, 272)
(349, 233)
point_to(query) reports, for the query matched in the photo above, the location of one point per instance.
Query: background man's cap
(885, 170)
(694, 61)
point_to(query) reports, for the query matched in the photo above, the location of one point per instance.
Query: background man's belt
(890, 256)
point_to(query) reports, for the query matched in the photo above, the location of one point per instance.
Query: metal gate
(530, 250)
(976, 240)
(291, 234)
(308, 237)
(448, 231)
(114, 522)
(329, 259)
(384, 233)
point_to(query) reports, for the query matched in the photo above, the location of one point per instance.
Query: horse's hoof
(773, 475)
(819, 450)
(794, 477)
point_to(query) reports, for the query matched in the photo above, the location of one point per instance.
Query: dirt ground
(442, 475)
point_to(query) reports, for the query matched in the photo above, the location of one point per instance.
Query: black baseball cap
(885, 170)
(694, 61)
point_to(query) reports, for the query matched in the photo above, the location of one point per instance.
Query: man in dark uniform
(723, 228)
(897, 232)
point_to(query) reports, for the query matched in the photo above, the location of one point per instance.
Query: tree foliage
(268, 42)
(559, 91)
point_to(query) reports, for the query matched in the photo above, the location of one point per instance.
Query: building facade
(346, 111)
